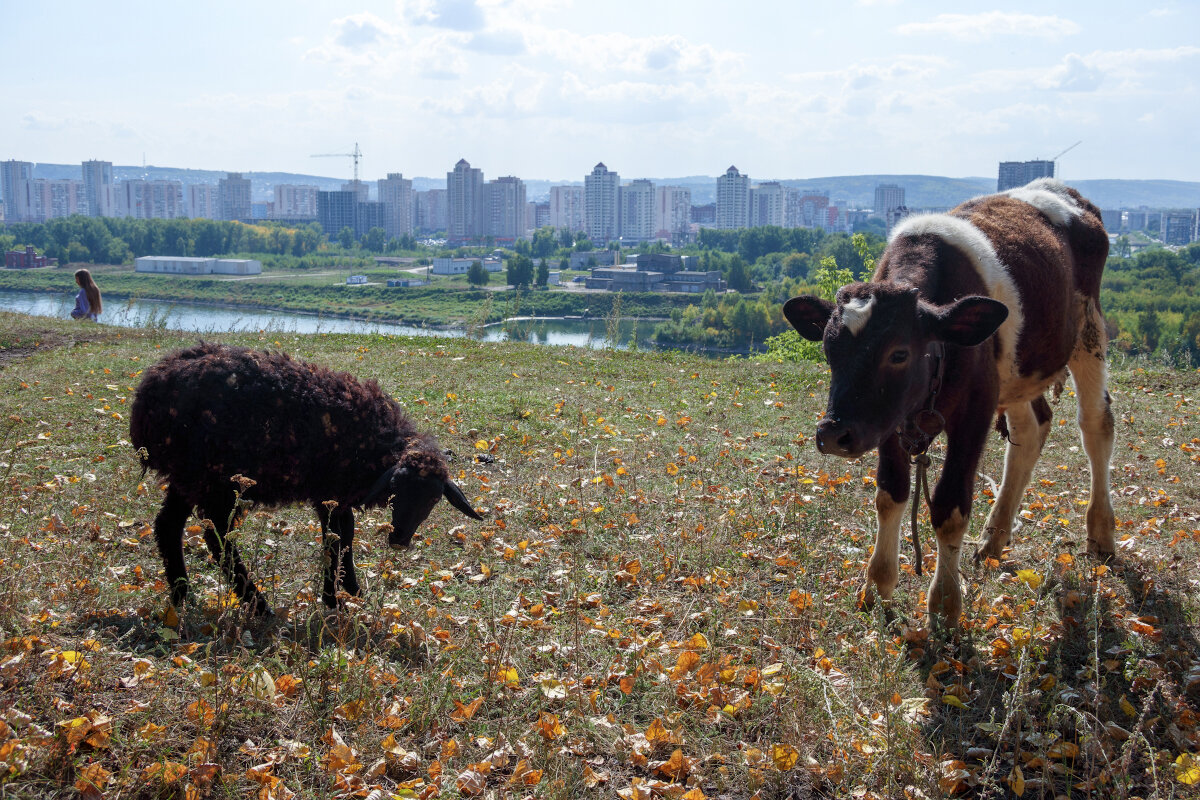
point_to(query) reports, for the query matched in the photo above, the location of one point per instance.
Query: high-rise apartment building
(637, 211)
(1019, 173)
(143, 199)
(733, 199)
(233, 192)
(504, 208)
(768, 205)
(16, 190)
(672, 213)
(813, 208)
(295, 201)
(888, 197)
(431, 211)
(566, 208)
(98, 187)
(600, 211)
(361, 189)
(464, 200)
(396, 194)
(337, 210)
(64, 198)
(202, 201)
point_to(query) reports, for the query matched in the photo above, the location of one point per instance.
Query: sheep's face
(413, 498)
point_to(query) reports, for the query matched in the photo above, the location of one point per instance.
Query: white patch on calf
(971, 241)
(1049, 197)
(857, 313)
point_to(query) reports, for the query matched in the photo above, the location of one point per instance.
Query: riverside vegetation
(1150, 299)
(661, 601)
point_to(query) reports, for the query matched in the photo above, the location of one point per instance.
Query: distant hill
(857, 191)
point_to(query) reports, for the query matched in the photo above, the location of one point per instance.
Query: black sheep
(300, 433)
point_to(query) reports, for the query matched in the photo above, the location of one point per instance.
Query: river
(216, 319)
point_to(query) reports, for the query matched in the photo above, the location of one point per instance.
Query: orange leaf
(463, 713)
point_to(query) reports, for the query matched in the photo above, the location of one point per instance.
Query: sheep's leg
(337, 529)
(221, 513)
(168, 532)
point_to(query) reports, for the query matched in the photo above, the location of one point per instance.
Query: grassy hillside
(661, 601)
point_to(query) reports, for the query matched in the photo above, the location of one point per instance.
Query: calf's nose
(834, 438)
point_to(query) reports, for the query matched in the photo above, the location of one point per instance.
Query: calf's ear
(970, 321)
(808, 315)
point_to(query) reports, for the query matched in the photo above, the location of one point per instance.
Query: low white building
(190, 265)
(460, 266)
(356, 280)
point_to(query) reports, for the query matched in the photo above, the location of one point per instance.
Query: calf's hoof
(1101, 551)
(993, 546)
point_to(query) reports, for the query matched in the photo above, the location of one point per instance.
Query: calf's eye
(899, 357)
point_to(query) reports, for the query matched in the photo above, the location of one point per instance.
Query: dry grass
(661, 601)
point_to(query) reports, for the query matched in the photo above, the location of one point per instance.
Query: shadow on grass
(1087, 712)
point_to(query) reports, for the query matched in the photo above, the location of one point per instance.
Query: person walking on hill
(87, 303)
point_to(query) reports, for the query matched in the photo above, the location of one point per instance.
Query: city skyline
(544, 89)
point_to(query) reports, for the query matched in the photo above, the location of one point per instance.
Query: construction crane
(356, 155)
(1056, 158)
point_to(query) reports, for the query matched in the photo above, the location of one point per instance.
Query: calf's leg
(883, 570)
(1097, 429)
(950, 512)
(168, 533)
(1028, 426)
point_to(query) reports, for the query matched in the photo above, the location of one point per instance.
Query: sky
(545, 89)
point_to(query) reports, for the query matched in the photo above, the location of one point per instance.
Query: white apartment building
(637, 211)
(396, 194)
(233, 192)
(461, 266)
(566, 208)
(203, 201)
(63, 198)
(464, 202)
(142, 199)
(672, 212)
(600, 211)
(504, 208)
(733, 199)
(16, 190)
(295, 201)
(768, 205)
(98, 187)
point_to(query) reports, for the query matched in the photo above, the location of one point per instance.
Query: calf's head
(877, 340)
(413, 494)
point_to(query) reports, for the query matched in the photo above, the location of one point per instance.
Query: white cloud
(359, 40)
(457, 15)
(498, 42)
(975, 27)
(1074, 74)
(667, 55)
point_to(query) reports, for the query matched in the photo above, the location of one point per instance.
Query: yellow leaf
(1016, 781)
(1127, 707)
(698, 642)
(952, 700)
(1187, 769)
(171, 617)
(481, 445)
(784, 756)
(1030, 577)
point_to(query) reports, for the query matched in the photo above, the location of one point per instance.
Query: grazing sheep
(217, 421)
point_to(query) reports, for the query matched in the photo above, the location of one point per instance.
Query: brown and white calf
(992, 302)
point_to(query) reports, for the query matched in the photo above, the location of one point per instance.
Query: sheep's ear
(381, 485)
(459, 500)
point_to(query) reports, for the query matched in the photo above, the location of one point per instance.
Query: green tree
(477, 275)
(520, 270)
(345, 237)
(374, 240)
(737, 276)
(543, 273)
(1149, 330)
